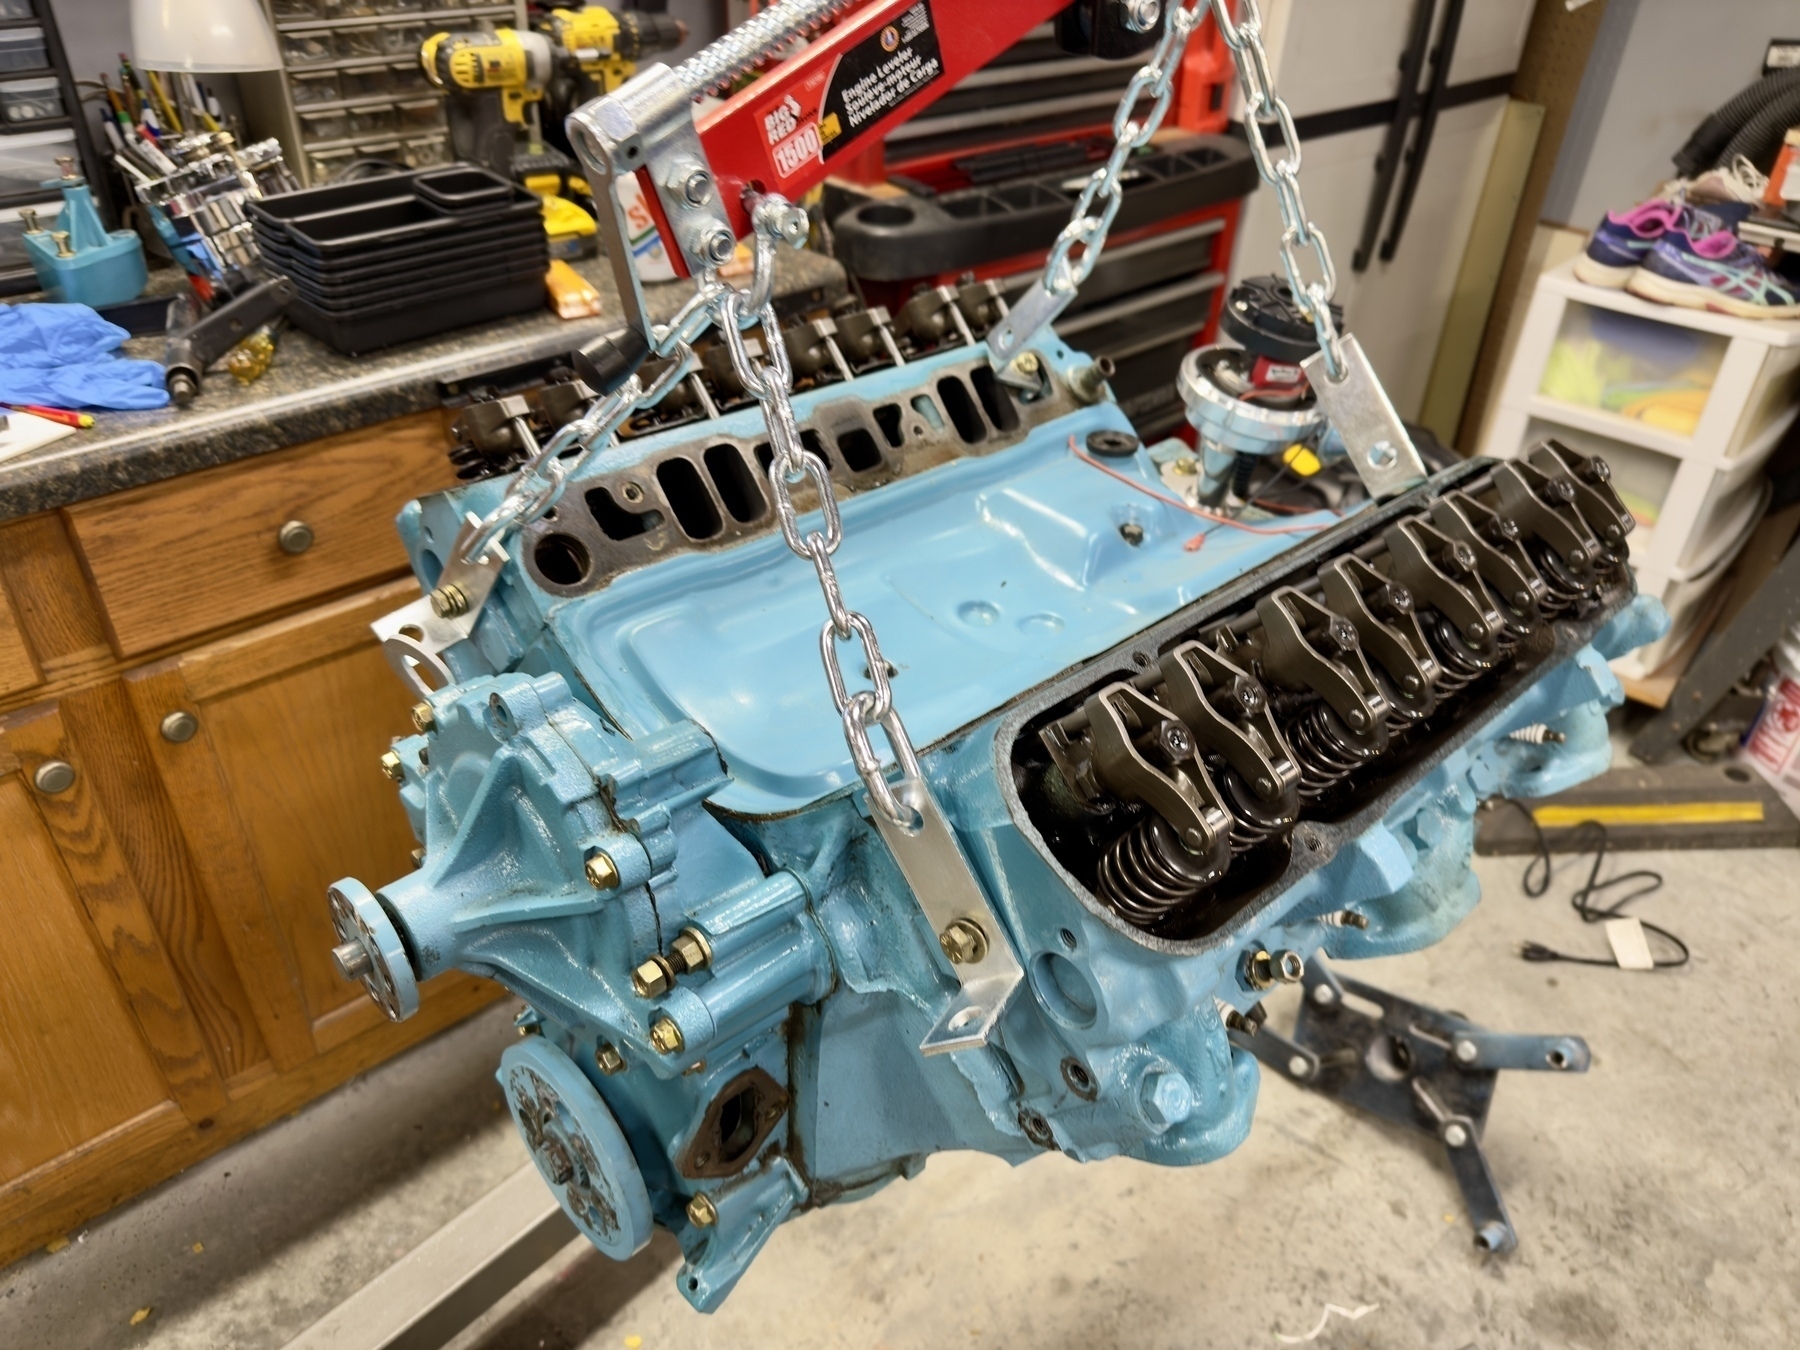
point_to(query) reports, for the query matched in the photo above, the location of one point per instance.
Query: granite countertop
(311, 391)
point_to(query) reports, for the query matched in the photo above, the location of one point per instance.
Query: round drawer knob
(294, 537)
(180, 726)
(53, 776)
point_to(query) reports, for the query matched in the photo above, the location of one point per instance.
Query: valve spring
(1561, 591)
(1252, 823)
(1146, 873)
(1325, 755)
(1458, 667)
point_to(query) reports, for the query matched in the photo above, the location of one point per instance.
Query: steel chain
(770, 383)
(1262, 106)
(1105, 185)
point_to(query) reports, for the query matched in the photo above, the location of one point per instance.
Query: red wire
(1198, 540)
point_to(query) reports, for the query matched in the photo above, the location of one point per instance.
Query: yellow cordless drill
(494, 78)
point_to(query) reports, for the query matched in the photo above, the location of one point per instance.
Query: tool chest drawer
(211, 549)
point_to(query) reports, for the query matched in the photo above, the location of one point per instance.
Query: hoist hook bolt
(665, 1036)
(602, 872)
(701, 1212)
(1456, 1134)
(449, 600)
(1142, 15)
(719, 246)
(964, 943)
(1264, 969)
(423, 718)
(1466, 1052)
(392, 767)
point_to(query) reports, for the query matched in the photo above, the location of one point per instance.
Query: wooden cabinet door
(95, 1028)
(279, 793)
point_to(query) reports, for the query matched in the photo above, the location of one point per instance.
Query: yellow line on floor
(1651, 813)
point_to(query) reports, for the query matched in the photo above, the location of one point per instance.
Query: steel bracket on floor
(1432, 1070)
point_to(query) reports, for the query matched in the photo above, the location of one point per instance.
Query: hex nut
(602, 872)
(665, 1036)
(424, 717)
(448, 601)
(608, 1059)
(690, 951)
(418, 856)
(652, 977)
(701, 1212)
(392, 767)
(964, 942)
(179, 726)
(54, 776)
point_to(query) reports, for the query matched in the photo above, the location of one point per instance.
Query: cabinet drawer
(213, 548)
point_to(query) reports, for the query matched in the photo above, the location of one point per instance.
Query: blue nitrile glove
(60, 356)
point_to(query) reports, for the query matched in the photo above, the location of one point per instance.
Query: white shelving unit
(1684, 404)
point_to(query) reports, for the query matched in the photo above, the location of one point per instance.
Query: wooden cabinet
(165, 983)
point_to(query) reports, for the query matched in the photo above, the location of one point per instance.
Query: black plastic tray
(447, 265)
(409, 212)
(371, 330)
(423, 291)
(499, 233)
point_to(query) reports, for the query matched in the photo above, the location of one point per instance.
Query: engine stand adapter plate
(577, 1145)
(1413, 1065)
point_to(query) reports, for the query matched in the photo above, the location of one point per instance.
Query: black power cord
(1586, 900)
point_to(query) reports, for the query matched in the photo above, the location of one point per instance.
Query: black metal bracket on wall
(1427, 106)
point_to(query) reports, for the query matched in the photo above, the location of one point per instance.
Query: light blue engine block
(638, 813)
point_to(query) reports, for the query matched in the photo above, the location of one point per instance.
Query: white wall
(1659, 67)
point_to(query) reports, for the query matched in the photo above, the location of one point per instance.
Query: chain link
(1263, 107)
(1063, 274)
(770, 383)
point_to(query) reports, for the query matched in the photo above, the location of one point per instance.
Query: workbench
(192, 710)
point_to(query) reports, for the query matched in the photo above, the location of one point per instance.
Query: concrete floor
(1655, 1198)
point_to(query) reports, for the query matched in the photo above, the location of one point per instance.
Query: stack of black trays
(407, 256)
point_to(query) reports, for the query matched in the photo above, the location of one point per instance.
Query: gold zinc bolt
(602, 871)
(665, 1036)
(423, 717)
(964, 942)
(392, 767)
(701, 1212)
(609, 1060)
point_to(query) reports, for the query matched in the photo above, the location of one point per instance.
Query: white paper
(25, 432)
(1631, 949)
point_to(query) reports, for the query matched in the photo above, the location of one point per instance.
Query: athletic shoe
(1739, 181)
(1718, 272)
(1620, 244)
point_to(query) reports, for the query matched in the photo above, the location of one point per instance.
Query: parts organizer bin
(35, 100)
(393, 259)
(23, 49)
(1685, 405)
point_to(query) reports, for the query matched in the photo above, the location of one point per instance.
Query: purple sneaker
(1624, 240)
(1718, 272)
